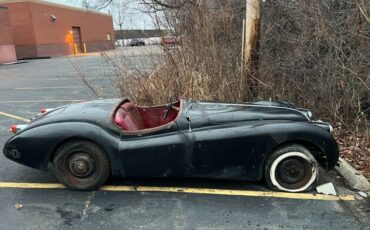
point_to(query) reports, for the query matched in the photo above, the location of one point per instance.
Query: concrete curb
(353, 177)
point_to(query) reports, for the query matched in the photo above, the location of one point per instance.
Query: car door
(219, 149)
(158, 153)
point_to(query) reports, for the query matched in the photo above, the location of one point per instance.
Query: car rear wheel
(292, 169)
(81, 165)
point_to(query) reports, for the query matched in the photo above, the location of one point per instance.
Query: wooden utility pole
(252, 28)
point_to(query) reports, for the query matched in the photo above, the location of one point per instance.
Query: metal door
(77, 42)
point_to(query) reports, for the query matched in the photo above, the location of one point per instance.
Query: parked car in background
(170, 41)
(137, 42)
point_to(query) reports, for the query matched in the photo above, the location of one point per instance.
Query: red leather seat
(129, 118)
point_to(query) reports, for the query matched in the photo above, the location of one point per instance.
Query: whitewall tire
(292, 168)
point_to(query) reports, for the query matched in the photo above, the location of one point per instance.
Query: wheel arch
(316, 151)
(318, 141)
(115, 168)
(87, 132)
(55, 149)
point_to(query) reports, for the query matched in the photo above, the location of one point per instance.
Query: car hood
(96, 112)
(205, 113)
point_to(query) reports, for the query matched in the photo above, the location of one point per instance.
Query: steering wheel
(169, 107)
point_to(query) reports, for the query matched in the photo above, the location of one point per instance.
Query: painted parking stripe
(39, 101)
(207, 191)
(14, 117)
(30, 185)
(227, 192)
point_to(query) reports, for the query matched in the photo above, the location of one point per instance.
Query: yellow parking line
(37, 101)
(15, 117)
(227, 192)
(30, 185)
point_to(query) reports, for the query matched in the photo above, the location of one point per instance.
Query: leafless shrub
(207, 64)
(82, 75)
(313, 53)
(317, 54)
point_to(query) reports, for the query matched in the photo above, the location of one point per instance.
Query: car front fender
(305, 133)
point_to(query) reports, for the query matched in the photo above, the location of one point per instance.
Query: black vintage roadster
(84, 143)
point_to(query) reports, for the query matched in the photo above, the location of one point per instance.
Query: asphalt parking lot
(141, 204)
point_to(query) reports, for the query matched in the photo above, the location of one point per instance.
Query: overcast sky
(134, 18)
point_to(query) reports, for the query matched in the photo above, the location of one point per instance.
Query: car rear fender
(38, 145)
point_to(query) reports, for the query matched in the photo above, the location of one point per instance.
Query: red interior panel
(132, 118)
(154, 117)
(124, 120)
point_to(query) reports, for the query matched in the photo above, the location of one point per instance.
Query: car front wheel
(292, 169)
(81, 165)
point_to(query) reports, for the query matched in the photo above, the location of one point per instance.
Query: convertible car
(85, 143)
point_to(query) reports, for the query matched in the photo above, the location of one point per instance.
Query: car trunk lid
(96, 112)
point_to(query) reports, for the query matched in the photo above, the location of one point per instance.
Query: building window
(109, 36)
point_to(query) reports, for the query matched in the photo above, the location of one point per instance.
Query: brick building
(7, 50)
(44, 29)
